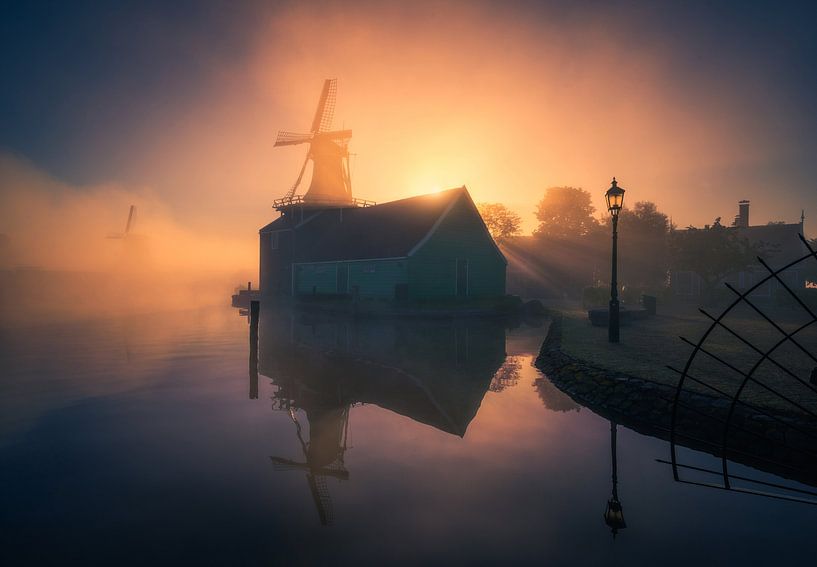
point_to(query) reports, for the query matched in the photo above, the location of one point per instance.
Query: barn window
(273, 239)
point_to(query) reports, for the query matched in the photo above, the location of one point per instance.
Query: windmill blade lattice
(291, 138)
(326, 107)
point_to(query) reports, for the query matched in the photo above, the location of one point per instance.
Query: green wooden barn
(429, 247)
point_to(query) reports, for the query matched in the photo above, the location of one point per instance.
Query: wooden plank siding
(432, 269)
(377, 278)
(318, 278)
(275, 263)
(372, 278)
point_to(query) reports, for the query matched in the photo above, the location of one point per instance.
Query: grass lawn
(647, 346)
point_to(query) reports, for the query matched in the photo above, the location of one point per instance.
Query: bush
(595, 297)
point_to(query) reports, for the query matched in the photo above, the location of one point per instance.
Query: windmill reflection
(323, 454)
(434, 372)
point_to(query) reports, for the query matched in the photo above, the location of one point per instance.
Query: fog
(63, 250)
(507, 102)
(503, 101)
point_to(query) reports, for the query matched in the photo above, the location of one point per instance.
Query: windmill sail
(129, 225)
(131, 219)
(326, 107)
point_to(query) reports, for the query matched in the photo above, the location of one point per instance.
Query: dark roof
(781, 241)
(390, 230)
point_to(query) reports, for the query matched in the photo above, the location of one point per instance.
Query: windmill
(128, 226)
(329, 152)
(134, 251)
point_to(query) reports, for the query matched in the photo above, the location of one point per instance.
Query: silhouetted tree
(712, 252)
(643, 246)
(500, 220)
(507, 376)
(565, 212)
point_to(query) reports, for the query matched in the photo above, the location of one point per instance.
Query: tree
(565, 212)
(712, 252)
(500, 220)
(643, 246)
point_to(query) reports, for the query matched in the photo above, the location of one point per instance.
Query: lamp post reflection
(614, 515)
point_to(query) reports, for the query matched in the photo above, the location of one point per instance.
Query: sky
(175, 106)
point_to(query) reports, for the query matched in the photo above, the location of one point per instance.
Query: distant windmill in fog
(129, 226)
(329, 152)
(133, 252)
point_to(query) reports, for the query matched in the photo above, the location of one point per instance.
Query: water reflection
(165, 457)
(434, 372)
(614, 515)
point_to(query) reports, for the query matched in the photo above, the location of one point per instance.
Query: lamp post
(614, 515)
(615, 200)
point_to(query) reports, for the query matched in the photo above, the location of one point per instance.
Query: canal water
(164, 439)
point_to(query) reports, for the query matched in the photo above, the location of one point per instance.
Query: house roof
(780, 242)
(390, 230)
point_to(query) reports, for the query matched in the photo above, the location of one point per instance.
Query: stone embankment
(778, 443)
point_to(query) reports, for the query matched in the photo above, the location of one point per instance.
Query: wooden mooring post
(255, 310)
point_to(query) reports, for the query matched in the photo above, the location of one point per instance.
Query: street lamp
(615, 200)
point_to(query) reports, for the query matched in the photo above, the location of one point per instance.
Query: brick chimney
(743, 214)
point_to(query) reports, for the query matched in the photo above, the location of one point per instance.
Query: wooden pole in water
(255, 309)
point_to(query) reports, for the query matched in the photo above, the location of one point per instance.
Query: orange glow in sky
(463, 96)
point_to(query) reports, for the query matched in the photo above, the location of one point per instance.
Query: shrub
(595, 297)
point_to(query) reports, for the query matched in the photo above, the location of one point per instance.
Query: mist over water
(147, 433)
(64, 252)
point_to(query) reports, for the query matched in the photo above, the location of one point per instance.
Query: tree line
(570, 248)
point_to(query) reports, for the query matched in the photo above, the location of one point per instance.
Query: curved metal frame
(747, 377)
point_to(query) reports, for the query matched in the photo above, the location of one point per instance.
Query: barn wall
(264, 264)
(462, 235)
(376, 278)
(320, 278)
(275, 264)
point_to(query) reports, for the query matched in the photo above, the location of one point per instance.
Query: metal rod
(750, 378)
(613, 315)
(753, 408)
(746, 479)
(781, 282)
(760, 352)
(772, 323)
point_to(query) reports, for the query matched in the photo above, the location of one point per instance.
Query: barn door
(462, 278)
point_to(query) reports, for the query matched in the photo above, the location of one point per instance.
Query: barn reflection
(435, 372)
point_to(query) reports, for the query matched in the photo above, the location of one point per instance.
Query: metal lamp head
(615, 198)
(614, 516)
